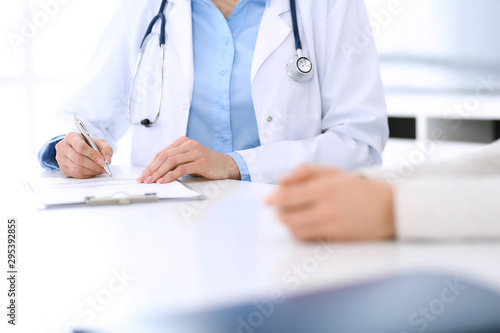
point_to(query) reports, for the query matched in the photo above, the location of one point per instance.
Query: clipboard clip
(121, 200)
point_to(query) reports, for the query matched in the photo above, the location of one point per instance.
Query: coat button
(185, 107)
(269, 119)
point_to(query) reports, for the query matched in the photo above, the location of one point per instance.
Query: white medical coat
(337, 118)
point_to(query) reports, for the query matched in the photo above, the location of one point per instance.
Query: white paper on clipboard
(62, 191)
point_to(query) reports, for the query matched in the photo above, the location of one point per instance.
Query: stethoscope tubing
(293, 69)
(295, 25)
(160, 16)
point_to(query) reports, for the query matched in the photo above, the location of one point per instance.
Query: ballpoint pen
(86, 136)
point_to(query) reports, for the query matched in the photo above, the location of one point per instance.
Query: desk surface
(98, 265)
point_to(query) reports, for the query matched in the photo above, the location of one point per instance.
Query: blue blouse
(222, 115)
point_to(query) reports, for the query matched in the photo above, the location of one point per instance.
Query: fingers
(180, 141)
(74, 170)
(104, 148)
(79, 145)
(65, 158)
(179, 146)
(173, 163)
(303, 205)
(304, 173)
(164, 162)
(188, 157)
(311, 223)
(84, 161)
(301, 217)
(300, 174)
(289, 196)
(166, 158)
(181, 170)
(77, 159)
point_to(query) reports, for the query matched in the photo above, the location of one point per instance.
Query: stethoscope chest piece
(300, 68)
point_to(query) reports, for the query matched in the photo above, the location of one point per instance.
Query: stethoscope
(299, 67)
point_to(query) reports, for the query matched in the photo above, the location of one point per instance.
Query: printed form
(65, 191)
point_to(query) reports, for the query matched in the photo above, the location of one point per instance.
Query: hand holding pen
(78, 159)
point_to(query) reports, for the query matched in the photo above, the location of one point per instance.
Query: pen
(86, 136)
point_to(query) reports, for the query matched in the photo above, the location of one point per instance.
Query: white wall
(45, 47)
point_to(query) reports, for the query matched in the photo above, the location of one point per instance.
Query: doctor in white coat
(336, 118)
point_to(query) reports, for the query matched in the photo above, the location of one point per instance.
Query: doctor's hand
(188, 157)
(321, 203)
(78, 160)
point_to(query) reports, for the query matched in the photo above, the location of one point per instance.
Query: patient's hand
(325, 203)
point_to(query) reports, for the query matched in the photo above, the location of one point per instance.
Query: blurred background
(440, 63)
(45, 48)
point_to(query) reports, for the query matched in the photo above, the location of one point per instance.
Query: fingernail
(139, 180)
(148, 180)
(108, 158)
(160, 181)
(100, 161)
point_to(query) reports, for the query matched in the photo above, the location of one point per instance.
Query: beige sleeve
(485, 161)
(453, 199)
(448, 208)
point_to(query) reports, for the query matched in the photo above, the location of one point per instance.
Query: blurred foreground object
(434, 303)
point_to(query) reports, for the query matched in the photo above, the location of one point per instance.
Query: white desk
(187, 255)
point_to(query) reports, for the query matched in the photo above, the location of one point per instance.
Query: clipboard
(121, 189)
(127, 200)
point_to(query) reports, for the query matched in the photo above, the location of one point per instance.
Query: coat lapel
(273, 31)
(178, 14)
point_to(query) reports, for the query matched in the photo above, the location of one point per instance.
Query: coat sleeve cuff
(47, 155)
(242, 166)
